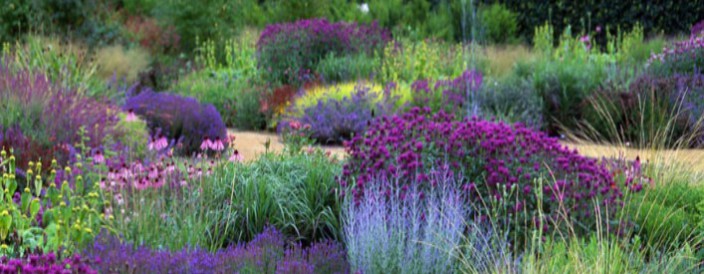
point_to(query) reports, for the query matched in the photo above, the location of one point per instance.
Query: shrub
(334, 120)
(247, 111)
(266, 253)
(685, 57)
(116, 61)
(182, 120)
(150, 35)
(494, 160)
(287, 51)
(512, 100)
(500, 24)
(405, 231)
(41, 116)
(46, 263)
(211, 87)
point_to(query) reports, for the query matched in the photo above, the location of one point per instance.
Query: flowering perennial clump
(182, 120)
(495, 159)
(45, 263)
(336, 120)
(267, 253)
(459, 95)
(286, 50)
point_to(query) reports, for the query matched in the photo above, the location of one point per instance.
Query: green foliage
(593, 255)
(405, 61)
(296, 193)
(512, 100)
(70, 216)
(499, 24)
(289, 11)
(133, 134)
(246, 112)
(211, 87)
(65, 64)
(16, 17)
(671, 17)
(335, 69)
(668, 214)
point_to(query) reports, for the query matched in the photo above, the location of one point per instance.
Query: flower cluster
(182, 120)
(45, 263)
(287, 49)
(697, 30)
(495, 159)
(267, 253)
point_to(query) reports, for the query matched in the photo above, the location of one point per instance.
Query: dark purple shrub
(183, 120)
(285, 51)
(266, 253)
(336, 121)
(697, 29)
(45, 263)
(41, 119)
(495, 160)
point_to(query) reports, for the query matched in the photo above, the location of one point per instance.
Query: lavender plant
(335, 121)
(46, 263)
(268, 252)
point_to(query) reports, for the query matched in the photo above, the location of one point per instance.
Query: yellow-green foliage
(345, 90)
(410, 61)
(236, 55)
(120, 62)
(501, 59)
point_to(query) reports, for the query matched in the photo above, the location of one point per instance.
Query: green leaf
(34, 207)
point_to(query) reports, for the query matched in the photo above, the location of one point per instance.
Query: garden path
(251, 144)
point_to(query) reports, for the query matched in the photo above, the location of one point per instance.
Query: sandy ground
(251, 144)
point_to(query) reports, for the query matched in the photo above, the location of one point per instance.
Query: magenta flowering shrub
(289, 50)
(495, 160)
(182, 122)
(46, 263)
(268, 252)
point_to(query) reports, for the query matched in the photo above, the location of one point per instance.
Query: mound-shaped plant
(338, 113)
(287, 50)
(183, 120)
(531, 174)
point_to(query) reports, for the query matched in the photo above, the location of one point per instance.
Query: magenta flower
(206, 144)
(98, 158)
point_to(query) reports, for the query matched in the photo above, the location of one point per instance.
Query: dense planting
(123, 143)
(494, 159)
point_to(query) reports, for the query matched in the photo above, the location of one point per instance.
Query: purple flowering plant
(182, 122)
(46, 263)
(495, 159)
(334, 121)
(288, 50)
(268, 252)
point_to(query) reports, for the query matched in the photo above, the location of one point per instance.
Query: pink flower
(161, 143)
(131, 116)
(206, 144)
(598, 29)
(584, 39)
(294, 125)
(98, 158)
(217, 145)
(236, 157)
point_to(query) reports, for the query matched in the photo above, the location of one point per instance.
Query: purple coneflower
(236, 157)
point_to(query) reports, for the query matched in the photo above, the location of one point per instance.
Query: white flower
(364, 7)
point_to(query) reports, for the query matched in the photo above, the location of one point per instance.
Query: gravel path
(251, 144)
